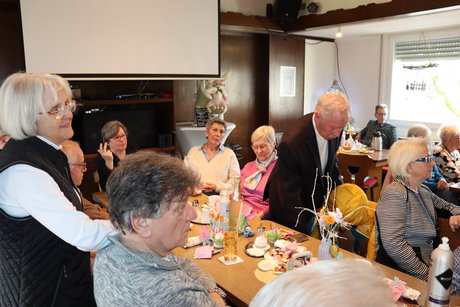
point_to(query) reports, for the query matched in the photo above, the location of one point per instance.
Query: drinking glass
(230, 244)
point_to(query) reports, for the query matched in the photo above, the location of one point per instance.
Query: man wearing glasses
(388, 131)
(77, 166)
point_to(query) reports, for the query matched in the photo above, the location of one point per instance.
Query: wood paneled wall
(286, 51)
(253, 61)
(11, 46)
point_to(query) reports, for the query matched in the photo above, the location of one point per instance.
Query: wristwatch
(219, 291)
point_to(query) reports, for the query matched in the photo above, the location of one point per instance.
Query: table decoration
(329, 221)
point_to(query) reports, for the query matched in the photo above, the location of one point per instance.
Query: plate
(199, 220)
(255, 252)
(266, 265)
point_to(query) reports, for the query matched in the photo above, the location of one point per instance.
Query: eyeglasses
(59, 112)
(118, 138)
(426, 159)
(81, 165)
(261, 147)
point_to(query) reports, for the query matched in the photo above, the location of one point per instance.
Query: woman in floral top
(447, 156)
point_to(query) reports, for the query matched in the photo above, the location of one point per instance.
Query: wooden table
(240, 282)
(369, 164)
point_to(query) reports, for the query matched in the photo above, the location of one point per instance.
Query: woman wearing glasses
(45, 237)
(112, 150)
(255, 174)
(406, 215)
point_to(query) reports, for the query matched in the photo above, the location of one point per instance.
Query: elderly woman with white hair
(255, 174)
(447, 156)
(351, 282)
(406, 215)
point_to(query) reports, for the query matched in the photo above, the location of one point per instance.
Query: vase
(324, 250)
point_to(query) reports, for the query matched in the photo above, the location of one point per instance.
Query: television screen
(138, 119)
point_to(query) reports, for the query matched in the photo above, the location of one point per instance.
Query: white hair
(403, 152)
(350, 282)
(23, 96)
(265, 133)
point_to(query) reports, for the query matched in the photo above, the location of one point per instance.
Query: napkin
(238, 260)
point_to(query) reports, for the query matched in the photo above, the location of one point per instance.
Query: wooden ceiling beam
(367, 12)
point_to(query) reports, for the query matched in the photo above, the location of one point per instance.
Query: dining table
(241, 281)
(370, 162)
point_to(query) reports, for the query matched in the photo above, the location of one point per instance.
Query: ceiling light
(339, 33)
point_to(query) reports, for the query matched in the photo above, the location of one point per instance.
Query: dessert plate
(255, 252)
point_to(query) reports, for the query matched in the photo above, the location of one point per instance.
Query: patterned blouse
(448, 163)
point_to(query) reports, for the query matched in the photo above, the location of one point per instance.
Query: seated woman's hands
(107, 155)
(208, 187)
(454, 222)
(443, 184)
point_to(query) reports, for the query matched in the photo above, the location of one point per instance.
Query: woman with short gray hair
(148, 195)
(255, 174)
(45, 237)
(447, 156)
(406, 215)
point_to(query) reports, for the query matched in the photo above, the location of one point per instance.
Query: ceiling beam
(367, 12)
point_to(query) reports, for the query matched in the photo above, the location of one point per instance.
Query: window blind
(428, 48)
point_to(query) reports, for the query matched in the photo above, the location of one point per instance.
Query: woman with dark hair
(112, 150)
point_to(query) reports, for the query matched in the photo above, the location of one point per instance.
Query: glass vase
(324, 250)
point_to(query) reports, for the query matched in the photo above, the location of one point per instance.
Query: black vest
(37, 268)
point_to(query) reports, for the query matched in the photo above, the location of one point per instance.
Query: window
(425, 79)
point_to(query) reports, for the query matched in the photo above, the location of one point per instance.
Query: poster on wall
(287, 81)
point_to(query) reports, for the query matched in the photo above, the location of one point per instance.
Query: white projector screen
(122, 39)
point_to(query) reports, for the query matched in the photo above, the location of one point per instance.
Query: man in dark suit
(308, 148)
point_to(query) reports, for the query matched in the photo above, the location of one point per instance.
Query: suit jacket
(291, 182)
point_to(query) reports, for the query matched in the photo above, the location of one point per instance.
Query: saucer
(255, 252)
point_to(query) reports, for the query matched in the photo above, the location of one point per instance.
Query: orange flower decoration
(329, 220)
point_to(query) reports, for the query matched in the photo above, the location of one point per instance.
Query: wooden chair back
(445, 231)
(354, 164)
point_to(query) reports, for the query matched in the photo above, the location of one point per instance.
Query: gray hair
(446, 131)
(110, 130)
(348, 282)
(215, 120)
(333, 102)
(403, 152)
(23, 96)
(266, 133)
(418, 131)
(145, 184)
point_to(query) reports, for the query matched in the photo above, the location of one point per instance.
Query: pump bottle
(440, 275)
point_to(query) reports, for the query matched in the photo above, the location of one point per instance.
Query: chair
(445, 231)
(354, 169)
(360, 212)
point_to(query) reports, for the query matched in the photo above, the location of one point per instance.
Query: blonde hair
(403, 152)
(418, 131)
(264, 133)
(23, 96)
(351, 282)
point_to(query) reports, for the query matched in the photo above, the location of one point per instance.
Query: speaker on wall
(286, 10)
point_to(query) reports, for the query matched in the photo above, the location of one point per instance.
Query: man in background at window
(388, 131)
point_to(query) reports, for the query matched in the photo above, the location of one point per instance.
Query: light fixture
(335, 87)
(338, 34)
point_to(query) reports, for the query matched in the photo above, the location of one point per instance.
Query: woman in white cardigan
(216, 164)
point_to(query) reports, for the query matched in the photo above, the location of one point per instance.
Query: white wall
(359, 66)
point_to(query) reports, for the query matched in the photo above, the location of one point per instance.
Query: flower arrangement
(213, 96)
(329, 219)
